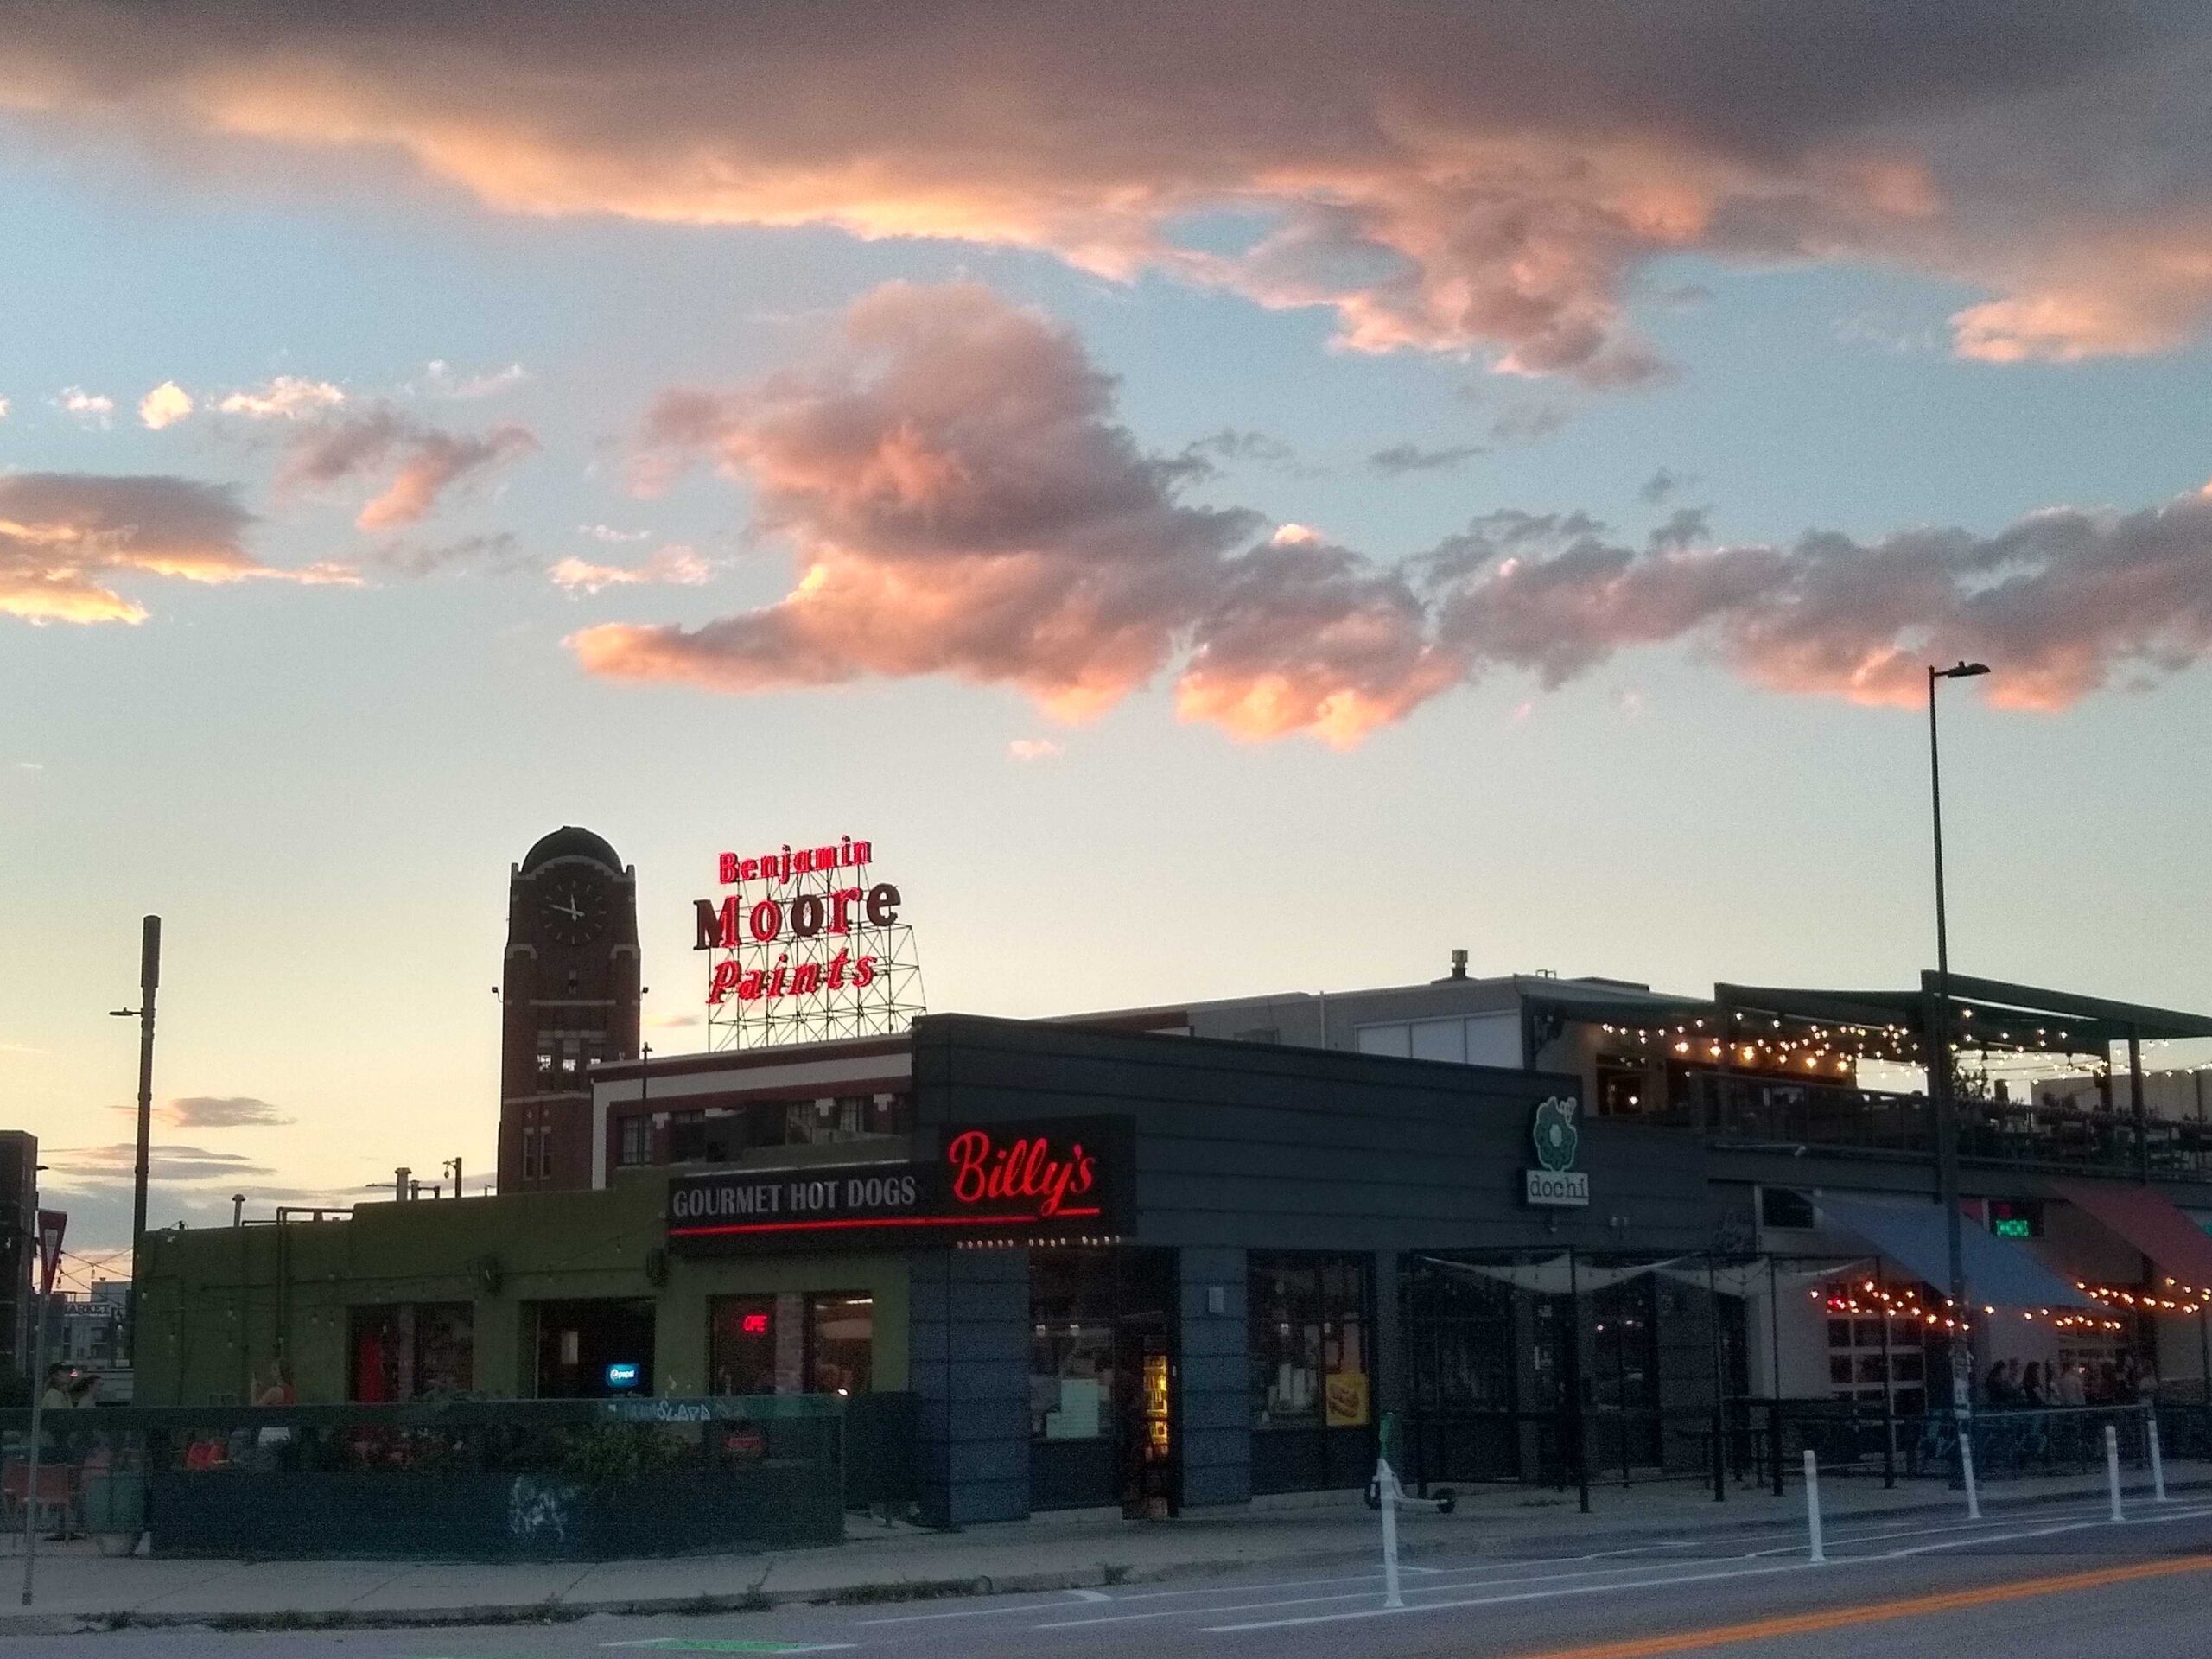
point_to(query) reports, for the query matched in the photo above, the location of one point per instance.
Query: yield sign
(51, 1223)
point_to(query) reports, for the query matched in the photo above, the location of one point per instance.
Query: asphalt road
(2052, 1582)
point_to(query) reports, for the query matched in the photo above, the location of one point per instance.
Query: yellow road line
(1875, 1612)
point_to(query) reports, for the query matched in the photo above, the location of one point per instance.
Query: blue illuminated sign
(622, 1374)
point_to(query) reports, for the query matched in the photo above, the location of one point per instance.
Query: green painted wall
(219, 1304)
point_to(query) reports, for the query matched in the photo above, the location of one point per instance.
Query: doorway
(593, 1349)
(1103, 1380)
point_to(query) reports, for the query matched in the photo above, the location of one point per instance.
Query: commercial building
(1190, 1254)
(1121, 1260)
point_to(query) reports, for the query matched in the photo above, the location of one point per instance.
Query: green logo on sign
(1557, 1137)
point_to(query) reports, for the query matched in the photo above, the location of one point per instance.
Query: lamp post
(1939, 1062)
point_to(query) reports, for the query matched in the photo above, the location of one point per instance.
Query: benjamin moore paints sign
(1556, 1183)
(1063, 1178)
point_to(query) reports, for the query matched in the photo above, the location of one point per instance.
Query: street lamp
(1939, 1060)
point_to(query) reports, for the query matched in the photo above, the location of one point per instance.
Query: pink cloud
(1438, 177)
(962, 502)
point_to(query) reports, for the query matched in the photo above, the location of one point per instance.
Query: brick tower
(570, 996)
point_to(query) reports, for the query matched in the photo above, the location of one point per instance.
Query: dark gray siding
(1245, 1146)
(968, 1367)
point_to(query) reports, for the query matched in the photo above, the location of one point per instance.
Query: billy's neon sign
(1029, 1171)
(1061, 1178)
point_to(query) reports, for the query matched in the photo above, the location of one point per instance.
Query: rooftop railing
(1765, 1111)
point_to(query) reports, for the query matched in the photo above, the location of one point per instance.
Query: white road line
(1090, 1595)
(708, 1644)
(1463, 1581)
(1663, 1583)
(1499, 1601)
(1985, 1524)
(1037, 1606)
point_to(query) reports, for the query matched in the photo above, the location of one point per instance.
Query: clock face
(574, 909)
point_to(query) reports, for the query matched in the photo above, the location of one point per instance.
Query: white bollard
(2158, 1461)
(2112, 1468)
(1386, 1488)
(1813, 1504)
(1966, 1468)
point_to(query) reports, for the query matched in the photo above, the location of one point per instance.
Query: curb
(896, 1590)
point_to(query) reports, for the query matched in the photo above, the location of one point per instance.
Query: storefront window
(444, 1347)
(1071, 1309)
(1459, 1337)
(741, 1344)
(591, 1348)
(1872, 1356)
(633, 1145)
(839, 1342)
(405, 1350)
(1309, 1341)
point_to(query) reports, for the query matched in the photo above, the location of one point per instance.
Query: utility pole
(1940, 1094)
(149, 976)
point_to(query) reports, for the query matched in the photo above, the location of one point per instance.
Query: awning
(1999, 1274)
(2151, 1223)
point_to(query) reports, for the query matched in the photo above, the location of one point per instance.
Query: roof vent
(1459, 964)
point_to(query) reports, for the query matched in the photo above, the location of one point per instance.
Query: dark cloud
(64, 537)
(963, 503)
(415, 461)
(2064, 600)
(1493, 175)
(1654, 490)
(176, 1164)
(1230, 445)
(497, 553)
(1402, 458)
(1529, 422)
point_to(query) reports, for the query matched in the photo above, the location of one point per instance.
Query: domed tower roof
(569, 841)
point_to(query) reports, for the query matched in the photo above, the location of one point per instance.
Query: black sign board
(1055, 1179)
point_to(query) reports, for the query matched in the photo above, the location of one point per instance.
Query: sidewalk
(79, 1588)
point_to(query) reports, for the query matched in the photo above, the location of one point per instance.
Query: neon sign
(1030, 1169)
(807, 945)
(1058, 1178)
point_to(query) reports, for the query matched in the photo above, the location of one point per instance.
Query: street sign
(51, 1225)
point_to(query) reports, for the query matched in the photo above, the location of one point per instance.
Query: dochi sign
(1556, 1183)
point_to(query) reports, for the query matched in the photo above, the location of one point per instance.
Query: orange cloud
(1440, 177)
(64, 536)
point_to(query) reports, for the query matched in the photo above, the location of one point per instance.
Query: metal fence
(476, 1480)
(1767, 1439)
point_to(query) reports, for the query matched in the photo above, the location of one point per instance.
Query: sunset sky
(1226, 496)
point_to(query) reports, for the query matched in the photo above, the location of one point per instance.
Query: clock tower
(570, 998)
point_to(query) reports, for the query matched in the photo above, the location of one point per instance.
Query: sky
(1227, 498)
